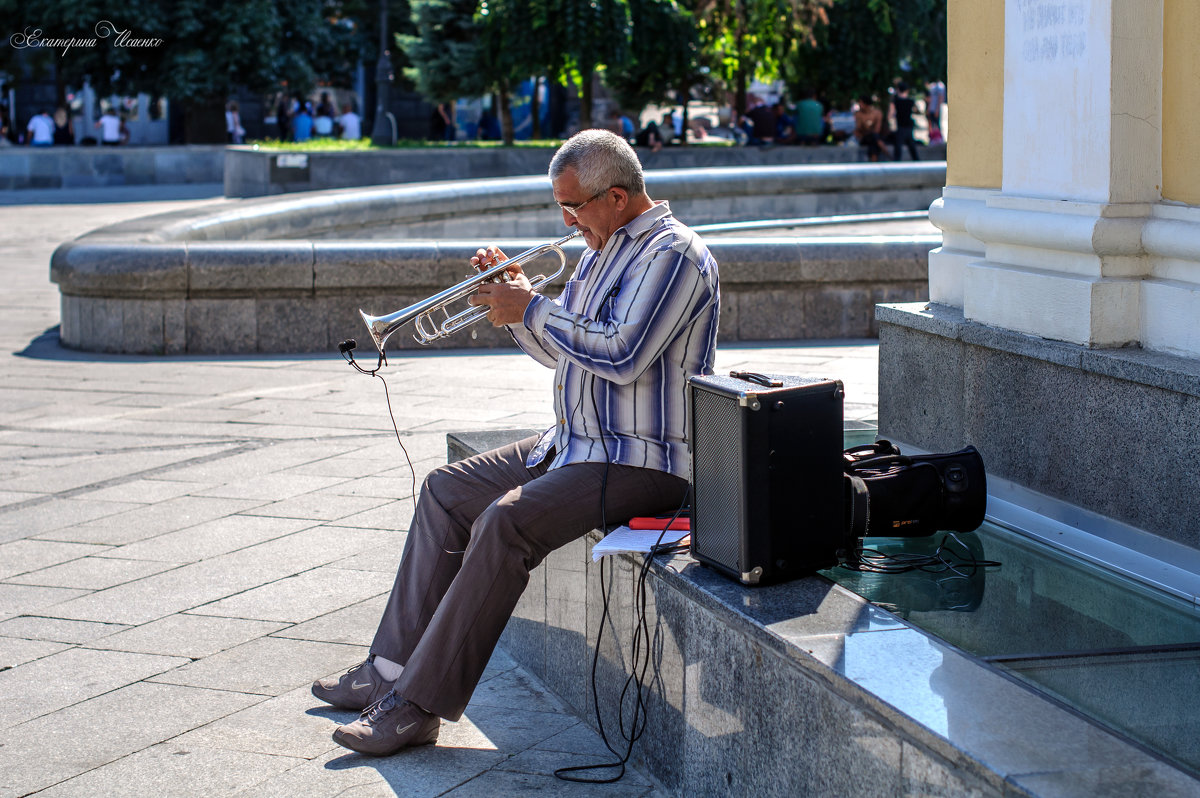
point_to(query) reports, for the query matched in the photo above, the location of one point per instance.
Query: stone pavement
(187, 542)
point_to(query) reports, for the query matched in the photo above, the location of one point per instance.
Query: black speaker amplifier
(766, 457)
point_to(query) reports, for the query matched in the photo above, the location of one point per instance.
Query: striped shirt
(635, 320)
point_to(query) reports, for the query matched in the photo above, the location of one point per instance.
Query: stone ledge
(1152, 369)
(802, 688)
(1059, 419)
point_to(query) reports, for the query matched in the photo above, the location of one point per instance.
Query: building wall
(1181, 101)
(976, 92)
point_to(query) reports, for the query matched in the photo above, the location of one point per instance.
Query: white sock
(389, 670)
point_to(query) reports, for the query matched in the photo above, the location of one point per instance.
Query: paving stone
(33, 627)
(500, 784)
(14, 651)
(144, 491)
(47, 517)
(385, 558)
(353, 625)
(70, 677)
(424, 772)
(155, 519)
(186, 635)
(212, 538)
(319, 507)
(395, 515)
(171, 769)
(92, 573)
(271, 487)
(294, 724)
(28, 599)
(23, 556)
(164, 594)
(105, 729)
(302, 597)
(266, 666)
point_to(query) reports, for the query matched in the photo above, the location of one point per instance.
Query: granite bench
(803, 688)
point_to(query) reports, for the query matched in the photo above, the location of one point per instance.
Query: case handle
(755, 377)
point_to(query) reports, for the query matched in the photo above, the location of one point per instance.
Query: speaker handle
(755, 377)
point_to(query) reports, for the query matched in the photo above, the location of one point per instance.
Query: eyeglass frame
(574, 209)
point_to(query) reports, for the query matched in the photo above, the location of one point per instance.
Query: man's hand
(507, 300)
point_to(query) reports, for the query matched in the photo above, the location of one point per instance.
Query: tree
(593, 35)
(868, 43)
(662, 56)
(744, 39)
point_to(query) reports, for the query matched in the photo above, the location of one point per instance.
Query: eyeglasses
(575, 209)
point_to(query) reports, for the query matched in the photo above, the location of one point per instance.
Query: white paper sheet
(623, 538)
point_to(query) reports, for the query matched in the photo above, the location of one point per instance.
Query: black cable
(346, 348)
(944, 558)
(638, 663)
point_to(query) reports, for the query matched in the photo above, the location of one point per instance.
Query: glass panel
(1037, 602)
(1116, 650)
(1152, 697)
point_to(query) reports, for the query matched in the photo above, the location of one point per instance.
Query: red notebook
(660, 522)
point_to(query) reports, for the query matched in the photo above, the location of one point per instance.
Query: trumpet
(426, 329)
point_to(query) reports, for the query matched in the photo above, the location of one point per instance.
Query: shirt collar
(646, 220)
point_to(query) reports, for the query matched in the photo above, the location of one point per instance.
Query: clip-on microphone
(347, 347)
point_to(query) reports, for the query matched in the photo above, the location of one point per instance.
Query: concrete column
(1081, 171)
(976, 91)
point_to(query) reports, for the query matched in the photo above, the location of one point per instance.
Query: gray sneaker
(389, 726)
(358, 688)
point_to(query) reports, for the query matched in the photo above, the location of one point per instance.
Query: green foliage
(662, 55)
(862, 48)
(443, 50)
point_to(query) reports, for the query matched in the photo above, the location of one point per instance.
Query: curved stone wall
(288, 274)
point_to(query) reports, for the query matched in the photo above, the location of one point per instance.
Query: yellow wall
(975, 86)
(1181, 101)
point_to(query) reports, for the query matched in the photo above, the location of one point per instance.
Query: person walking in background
(234, 132)
(902, 108)
(110, 128)
(935, 98)
(349, 124)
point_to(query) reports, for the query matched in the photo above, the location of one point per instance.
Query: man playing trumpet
(636, 319)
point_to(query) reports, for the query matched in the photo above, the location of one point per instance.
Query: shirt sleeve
(533, 345)
(657, 296)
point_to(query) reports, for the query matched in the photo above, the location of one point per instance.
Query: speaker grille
(717, 470)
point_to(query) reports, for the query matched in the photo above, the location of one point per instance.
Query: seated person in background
(302, 124)
(760, 122)
(649, 137)
(349, 124)
(810, 119)
(323, 125)
(621, 124)
(636, 319)
(785, 130)
(868, 128)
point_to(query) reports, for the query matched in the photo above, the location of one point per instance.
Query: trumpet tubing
(427, 330)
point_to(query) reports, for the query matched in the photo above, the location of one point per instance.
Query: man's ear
(622, 197)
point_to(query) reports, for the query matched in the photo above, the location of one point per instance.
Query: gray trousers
(481, 525)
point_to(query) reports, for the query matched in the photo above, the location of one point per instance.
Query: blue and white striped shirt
(635, 320)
